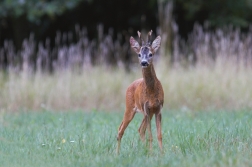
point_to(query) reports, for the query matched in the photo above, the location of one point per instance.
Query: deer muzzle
(144, 63)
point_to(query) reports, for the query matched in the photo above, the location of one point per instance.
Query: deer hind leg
(128, 116)
(158, 117)
(143, 126)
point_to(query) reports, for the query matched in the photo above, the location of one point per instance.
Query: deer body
(144, 95)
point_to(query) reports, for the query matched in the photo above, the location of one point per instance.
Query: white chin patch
(145, 66)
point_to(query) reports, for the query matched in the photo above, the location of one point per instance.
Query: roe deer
(146, 94)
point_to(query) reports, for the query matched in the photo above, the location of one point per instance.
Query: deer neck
(149, 77)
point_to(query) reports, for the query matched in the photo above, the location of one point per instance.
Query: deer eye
(150, 55)
(139, 55)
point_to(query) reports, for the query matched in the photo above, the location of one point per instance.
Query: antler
(141, 40)
(149, 37)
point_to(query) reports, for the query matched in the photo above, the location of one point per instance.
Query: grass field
(206, 113)
(216, 138)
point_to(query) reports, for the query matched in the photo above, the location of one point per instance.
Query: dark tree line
(45, 17)
(119, 18)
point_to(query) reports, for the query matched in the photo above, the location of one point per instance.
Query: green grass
(216, 138)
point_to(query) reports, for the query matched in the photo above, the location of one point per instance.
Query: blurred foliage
(35, 9)
(18, 18)
(44, 17)
(218, 13)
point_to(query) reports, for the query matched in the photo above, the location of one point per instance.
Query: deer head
(145, 50)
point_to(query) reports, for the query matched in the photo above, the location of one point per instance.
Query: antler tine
(149, 37)
(141, 40)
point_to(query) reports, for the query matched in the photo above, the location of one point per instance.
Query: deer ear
(156, 44)
(135, 45)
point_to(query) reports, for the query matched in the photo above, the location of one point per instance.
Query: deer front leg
(128, 116)
(158, 117)
(147, 111)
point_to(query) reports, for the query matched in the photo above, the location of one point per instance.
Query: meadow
(66, 112)
(77, 138)
(103, 88)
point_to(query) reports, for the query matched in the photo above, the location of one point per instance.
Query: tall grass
(210, 70)
(70, 50)
(208, 47)
(104, 88)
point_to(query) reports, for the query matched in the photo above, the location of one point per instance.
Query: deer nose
(144, 63)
